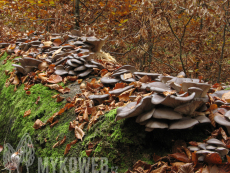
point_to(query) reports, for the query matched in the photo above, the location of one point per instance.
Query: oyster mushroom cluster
(71, 54)
(213, 145)
(166, 107)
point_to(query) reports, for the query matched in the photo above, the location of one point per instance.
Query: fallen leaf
(166, 93)
(211, 117)
(59, 98)
(85, 115)
(125, 95)
(54, 79)
(180, 156)
(54, 123)
(156, 157)
(63, 140)
(57, 137)
(79, 81)
(43, 66)
(193, 143)
(194, 158)
(42, 76)
(145, 79)
(81, 126)
(68, 146)
(218, 132)
(90, 145)
(47, 43)
(213, 158)
(88, 152)
(16, 80)
(186, 168)
(213, 107)
(56, 144)
(55, 96)
(56, 52)
(79, 133)
(28, 92)
(72, 78)
(103, 72)
(38, 99)
(119, 85)
(226, 96)
(27, 113)
(57, 42)
(38, 124)
(64, 90)
(127, 75)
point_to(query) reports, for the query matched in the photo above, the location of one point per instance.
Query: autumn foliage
(160, 36)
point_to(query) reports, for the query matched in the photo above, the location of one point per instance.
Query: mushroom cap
(203, 119)
(127, 67)
(100, 66)
(60, 72)
(118, 73)
(69, 62)
(31, 61)
(193, 148)
(59, 61)
(144, 105)
(175, 86)
(157, 124)
(152, 75)
(166, 113)
(203, 146)
(145, 116)
(72, 73)
(99, 98)
(221, 120)
(85, 73)
(75, 60)
(188, 108)
(154, 84)
(165, 79)
(210, 147)
(80, 68)
(204, 86)
(219, 102)
(219, 93)
(179, 81)
(127, 80)
(97, 43)
(170, 100)
(181, 74)
(204, 152)
(222, 151)
(215, 141)
(20, 68)
(183, 123)
(120, 90)
(90, 65)
(107, 80)
(197, 90)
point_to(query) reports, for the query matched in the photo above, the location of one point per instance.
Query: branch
(172, 29)
(84, 5)
(157, 59)
(99, 14)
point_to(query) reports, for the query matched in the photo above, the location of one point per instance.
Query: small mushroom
(203, 119)
(205, 87)
(203, 146)
(197, 90)
(189, 108)
(97, 43)
(120, 72)
(80, 68)
(210, 147)
(175, 86)
(193, 148)
(217, 142)
(70, 63)
(127, 67)
(222, 151)
(98, 98)
(127, 80)
(107, 80)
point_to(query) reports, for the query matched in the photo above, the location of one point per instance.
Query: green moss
(122, 142)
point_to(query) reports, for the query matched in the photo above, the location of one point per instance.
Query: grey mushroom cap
(166, 113)
(31, 61)
(179, 80)
(219, 93)
(107, 80)
(205, 87)
(193, 148)
(20, 68)
(97, 43)
(203, 119)
(219, 102)
(127, 67)
(60, 72)
(75, 60)
(165, 79)
(175, 86)
(157, 124)
(170, 100)
(117, 92)
(72, 73)
(221, 120)
(181, 74)
(80, 68)
(122, 71)
(201, 158)
(210, 147)
(100, 66)
(154, 84)
(145, 116)
(197, 90)
(158, 90)
(203, 146)
(85, 73)
(60, 61)
(144, 105)
(90, 65)
(99, 98)
(69, 62)
(215, 141)
(152, 75)
(183, 123)
(126, 108)
(204, 152)
(127, 80)
(222, 151)
(189, 108)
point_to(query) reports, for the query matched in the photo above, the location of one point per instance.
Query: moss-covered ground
(123, 142)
